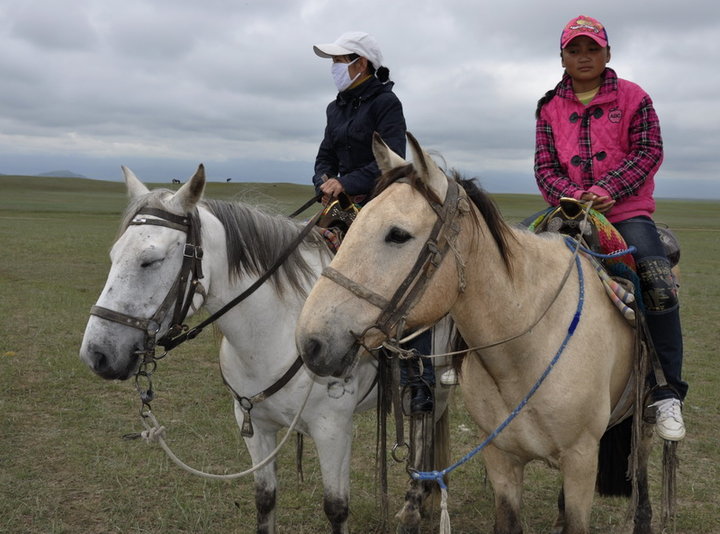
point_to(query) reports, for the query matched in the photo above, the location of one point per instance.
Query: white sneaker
(669, 420)
(449, 378)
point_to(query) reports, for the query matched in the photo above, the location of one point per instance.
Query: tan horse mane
(499, 229)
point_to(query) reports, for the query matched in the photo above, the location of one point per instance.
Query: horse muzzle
(323, 360)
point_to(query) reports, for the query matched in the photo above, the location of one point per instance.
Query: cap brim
(330, 50)
(599, 40)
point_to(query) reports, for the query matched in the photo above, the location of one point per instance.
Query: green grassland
(65, 467)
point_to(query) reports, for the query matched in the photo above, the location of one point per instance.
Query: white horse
(494, 281)
(226, 248)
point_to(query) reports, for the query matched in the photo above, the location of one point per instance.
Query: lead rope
(154, 432)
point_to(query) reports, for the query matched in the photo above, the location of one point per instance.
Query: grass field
(65, 468)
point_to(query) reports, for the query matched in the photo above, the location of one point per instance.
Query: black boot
(421, 399)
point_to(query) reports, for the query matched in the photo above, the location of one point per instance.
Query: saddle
(595, 232)
(617, 273)
(336, 219)
(597, 235)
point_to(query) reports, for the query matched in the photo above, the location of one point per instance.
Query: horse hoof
(405, 529)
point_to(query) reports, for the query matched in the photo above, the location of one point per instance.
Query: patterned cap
(583, 25)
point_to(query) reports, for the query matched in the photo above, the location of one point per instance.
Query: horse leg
(265, 487)
(265, 493)
(579, 469)
(260, 446)
(333, 447)
(421, 454)
(560, 521)
(506, 474)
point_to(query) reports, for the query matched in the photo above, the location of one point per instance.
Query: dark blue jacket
(346, 150)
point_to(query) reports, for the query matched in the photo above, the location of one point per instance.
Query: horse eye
(397, 235)
(150, 263)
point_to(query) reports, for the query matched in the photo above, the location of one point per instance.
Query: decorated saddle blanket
(604, 246)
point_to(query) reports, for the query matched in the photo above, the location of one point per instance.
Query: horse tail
(458, 344)
(669, 482)
(613, 460)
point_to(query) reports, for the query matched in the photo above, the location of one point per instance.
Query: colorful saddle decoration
(608, 250)
(595, 231)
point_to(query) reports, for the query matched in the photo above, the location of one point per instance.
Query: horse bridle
(394, 311)
(191, 273)
(189, 277)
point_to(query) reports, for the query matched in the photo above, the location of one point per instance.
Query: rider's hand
(601, 204)
(331, 189)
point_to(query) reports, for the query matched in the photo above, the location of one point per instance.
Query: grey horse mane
(254, 240)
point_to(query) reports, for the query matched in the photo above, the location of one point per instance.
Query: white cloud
(94, 84)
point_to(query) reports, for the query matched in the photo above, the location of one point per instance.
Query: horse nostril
(313, 349)
(100, 362)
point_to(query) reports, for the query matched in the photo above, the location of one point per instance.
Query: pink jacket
(612, 147)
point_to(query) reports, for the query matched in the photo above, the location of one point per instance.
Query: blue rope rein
(570, 242)
(439, 475)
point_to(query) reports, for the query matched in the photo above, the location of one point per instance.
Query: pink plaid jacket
(612, 147)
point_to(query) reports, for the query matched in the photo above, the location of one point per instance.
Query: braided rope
(155, 433)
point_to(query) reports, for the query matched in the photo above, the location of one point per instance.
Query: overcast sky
(162, 85)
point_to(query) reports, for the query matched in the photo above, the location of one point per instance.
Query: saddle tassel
(444, 514)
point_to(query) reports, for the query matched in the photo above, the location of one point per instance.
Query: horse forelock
(408, 174)
(153, 199)
(255, 239)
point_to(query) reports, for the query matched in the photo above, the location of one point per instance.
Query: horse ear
(427, 169)
(134, 186)
(191, 191)
(386, 159)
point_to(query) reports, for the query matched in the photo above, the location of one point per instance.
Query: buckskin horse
(429, 245)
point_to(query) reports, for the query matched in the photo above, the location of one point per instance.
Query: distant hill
(63, 174)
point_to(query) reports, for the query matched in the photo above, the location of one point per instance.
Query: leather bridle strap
(427, 263)
(191, 269)
(191, 334)
(355, 288)
(394, 310)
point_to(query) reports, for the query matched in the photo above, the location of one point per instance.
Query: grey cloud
(92, 84)
(51, 26)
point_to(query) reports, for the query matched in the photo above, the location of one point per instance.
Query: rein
(171, 343)
(574, 246)
(438, 476)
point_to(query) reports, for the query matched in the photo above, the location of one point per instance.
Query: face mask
(341, 76)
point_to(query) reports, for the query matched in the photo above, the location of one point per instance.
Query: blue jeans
(662, 311)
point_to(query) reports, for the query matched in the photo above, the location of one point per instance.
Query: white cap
(359, 43)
